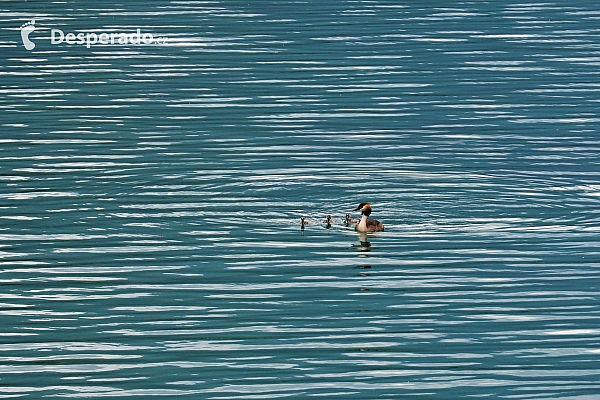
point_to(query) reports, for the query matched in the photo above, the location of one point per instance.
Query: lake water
(151, 195)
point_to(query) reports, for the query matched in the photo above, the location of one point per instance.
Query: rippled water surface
(151, 195)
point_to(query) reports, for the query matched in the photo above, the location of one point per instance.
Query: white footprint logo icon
(26, 29)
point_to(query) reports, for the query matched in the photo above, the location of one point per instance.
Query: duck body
(365, 224)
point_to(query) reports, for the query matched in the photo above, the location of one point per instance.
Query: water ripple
(151, 197)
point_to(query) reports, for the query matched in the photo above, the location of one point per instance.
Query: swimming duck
(349, 220)
(304, 222)
(366, 224)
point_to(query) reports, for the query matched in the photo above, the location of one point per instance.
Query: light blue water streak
(151, 196)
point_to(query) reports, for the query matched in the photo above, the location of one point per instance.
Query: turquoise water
(151, 195)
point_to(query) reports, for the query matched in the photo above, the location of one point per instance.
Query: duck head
(365, 208)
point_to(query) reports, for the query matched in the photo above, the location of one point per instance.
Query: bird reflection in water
(364, 267)
(365, 245)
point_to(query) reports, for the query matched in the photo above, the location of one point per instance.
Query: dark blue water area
(151, 197)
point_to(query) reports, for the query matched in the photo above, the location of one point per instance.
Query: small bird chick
(349, 220)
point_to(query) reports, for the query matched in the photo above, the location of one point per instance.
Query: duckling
(366, 224)
(304, 222)
(349, 220)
